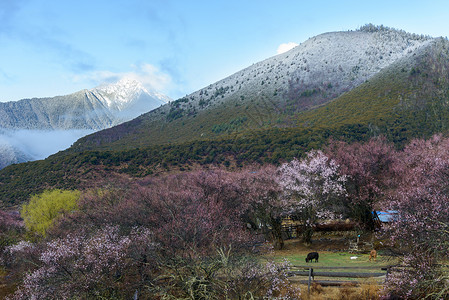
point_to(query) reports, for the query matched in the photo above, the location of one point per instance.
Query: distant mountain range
(64, 119)
(344, 85)
(94, 109)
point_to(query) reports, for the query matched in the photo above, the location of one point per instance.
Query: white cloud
(150, 76)
(286, 46)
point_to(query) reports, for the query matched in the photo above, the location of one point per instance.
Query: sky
(175, 47)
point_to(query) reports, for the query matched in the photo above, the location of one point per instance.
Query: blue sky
(50, 48)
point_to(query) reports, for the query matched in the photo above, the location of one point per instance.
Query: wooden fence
(311, 272)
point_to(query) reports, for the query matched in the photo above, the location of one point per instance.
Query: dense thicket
(195, 233)
(72, 170)
(180, 236)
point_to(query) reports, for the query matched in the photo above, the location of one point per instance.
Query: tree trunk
(276, 232)
(307, 234)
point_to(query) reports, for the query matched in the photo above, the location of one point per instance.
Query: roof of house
(386, 216)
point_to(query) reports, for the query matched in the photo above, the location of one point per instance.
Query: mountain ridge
(73, 111)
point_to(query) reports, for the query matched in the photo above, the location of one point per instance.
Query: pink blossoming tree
(420, 231)
(87, 266)
(313, 189)
(369, 171)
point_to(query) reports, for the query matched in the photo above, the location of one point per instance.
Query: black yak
(312, 255)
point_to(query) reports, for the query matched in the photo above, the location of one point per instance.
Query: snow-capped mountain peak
(125, 92)
(124, 87)
(119, 94)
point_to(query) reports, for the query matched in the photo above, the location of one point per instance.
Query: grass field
(333, 250)
(334, 253)
(338, 259)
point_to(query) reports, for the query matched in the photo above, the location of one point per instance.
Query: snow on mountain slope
(321, 68)
(10, 155)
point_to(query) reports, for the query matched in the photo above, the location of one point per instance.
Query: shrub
(43, 209)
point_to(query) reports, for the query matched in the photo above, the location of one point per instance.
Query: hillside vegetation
(269, 93)
(407, 99)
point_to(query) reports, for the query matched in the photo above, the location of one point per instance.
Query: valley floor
(334, 253)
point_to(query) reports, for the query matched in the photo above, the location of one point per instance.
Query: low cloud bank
(38, 144)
